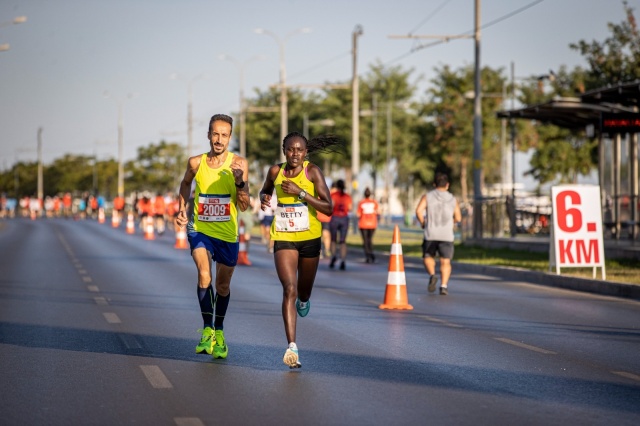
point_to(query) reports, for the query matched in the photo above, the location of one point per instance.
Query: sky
(69, 53)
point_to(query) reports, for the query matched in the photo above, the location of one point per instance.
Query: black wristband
(240, 185)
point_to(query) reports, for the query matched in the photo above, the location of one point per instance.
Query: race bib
(292, 218)
(214, 208)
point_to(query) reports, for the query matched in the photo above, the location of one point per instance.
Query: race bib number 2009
(214, 208)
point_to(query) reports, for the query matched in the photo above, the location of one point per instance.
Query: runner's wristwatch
(302, 194)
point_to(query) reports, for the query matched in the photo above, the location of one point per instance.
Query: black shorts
(306, 249)
(339, 227)
(443, 248)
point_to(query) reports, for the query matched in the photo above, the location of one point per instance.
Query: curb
(607, 288)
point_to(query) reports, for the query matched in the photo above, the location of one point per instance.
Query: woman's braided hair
(321, 143)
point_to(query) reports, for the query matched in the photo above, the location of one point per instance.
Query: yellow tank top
(215, 212)
(293, 219)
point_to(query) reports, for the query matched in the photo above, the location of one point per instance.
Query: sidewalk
(608, 288)
(614, 249)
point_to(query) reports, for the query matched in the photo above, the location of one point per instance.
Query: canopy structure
(570, 113)
(621, 94)
(612, 115)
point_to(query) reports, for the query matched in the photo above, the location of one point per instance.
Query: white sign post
(577, 239)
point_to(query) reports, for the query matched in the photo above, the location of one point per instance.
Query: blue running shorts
(221, 251)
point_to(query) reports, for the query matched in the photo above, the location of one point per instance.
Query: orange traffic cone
(395, 295)
(101, 218)
(243, 258)
(131, 227)
(181, 239)
(148, 229)
(115, 219)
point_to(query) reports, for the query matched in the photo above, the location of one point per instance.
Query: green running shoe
(303, 307)
(220, 349)
(291, 357)
(206, 342)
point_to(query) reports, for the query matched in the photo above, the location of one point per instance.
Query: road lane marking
(627, 375)
(87, 279)
(111, 318)
(66, 246)
(82, 271)
(188, 421)
(373, 302)
(100, 301)
(338, 292)
(438, 320)
(130, 342)
(524, 346)
(156, 377)
(93, 288)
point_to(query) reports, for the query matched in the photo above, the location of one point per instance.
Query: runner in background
(368, 211)
(339, 224)
(159, 209)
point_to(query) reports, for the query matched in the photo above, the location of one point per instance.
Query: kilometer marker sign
(577, 239)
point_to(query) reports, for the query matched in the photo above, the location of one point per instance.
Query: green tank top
(293, 219)
(215, 212)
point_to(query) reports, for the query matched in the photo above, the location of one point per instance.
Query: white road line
(81, 271)
(93, 288)
(87, 279)
(627, 375)
(129, 341)
(443, 322)
(524, 345)
(111, 318)
(100, 301)
(156, 377)
(66, 246)
(188, 421)
(373, 302)
(338, 292)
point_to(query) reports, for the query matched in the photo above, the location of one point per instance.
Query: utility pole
(40, 186)
(477, 133)
(355, 118)
(477, 118)
(374, 139)
(512, 216)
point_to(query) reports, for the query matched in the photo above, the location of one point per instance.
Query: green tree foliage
(617, 58)
(559, 153)
(158, 168)
(449, 110)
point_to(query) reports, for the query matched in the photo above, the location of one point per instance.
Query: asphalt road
(99, 327)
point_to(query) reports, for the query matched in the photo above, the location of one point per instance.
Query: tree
(450, 112)
(559, 153)
(617, 58)
(158, 168)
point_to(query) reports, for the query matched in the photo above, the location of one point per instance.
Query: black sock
(205, 296)
(221, 302)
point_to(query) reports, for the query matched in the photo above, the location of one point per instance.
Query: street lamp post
(189, 108)
(283, 78)
(120, 103)
(477, 133)
(40, 174)
(355, 118)
(243, 110)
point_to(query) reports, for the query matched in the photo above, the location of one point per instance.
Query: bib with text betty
(214, 207)
(292, 217)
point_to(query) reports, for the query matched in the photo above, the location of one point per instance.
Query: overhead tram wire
(446, 40)
(425, 20)
(321, 64)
